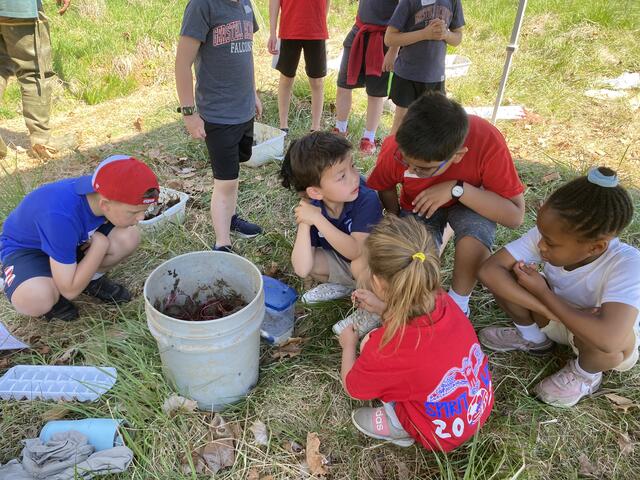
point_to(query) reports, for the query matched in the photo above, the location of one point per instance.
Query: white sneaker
(363, 320)
(566, 387)
(326, 292)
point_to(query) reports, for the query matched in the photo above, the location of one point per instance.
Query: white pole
(513, 45)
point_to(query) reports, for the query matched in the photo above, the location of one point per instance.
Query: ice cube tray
(32, 382)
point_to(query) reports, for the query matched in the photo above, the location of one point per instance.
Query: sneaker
(243, 228)
(223, 248)
(107, 290)
(566, 387)
(507, 339)
(326, 292)
(375, 423)
(63, 310)
(363, 320)
(367, 146)
(338, 132)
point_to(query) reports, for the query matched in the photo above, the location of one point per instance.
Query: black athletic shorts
(315, 57)
(403, 92)
(374, 86)
(228, 145)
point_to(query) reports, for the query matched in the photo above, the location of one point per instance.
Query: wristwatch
(458, 190)
(187, 110)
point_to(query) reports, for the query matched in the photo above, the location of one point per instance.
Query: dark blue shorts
(22, 265)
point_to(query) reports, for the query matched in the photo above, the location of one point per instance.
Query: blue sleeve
(367, 212)
(457, 20)
(195, 22)
(59, 237)
(401, 15)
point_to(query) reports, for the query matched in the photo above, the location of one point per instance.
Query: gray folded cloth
(66, 456)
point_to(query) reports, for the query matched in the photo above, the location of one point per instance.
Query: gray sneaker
(375, 423)
(364, 322)
(326, 292)
(508, 339)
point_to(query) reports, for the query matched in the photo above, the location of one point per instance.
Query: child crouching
(425, 362)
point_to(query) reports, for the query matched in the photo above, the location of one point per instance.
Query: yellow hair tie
(419, 256)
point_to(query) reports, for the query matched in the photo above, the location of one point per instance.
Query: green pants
(25, 51)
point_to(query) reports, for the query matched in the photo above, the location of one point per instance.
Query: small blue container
(280, 305)
(102, 433)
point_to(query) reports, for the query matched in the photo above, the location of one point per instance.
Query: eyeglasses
(421, 172)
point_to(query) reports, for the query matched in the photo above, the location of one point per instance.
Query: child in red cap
(63, 237)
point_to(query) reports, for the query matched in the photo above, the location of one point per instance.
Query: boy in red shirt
(425, 362)
(303, 27)
(455, 169)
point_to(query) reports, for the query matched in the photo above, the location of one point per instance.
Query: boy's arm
(185, 55)
(349, 246)
(505, 211)
(453, 37)
(389, 200)
(434, 30)
(496, 274)
(72, 279)
(274, 11)
(302, 254)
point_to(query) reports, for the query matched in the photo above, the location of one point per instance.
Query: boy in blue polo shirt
(334, 216)
(64, 235)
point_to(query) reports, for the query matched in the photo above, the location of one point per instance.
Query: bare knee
(35, 297)
(124, 241)
(316, 83)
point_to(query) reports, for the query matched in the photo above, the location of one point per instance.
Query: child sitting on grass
(588, 295)
(453, 168)
(334, 216)
(424, 363)
(63, 237)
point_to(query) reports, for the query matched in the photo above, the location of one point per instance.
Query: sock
(588, 375)
(342, 126)
(531, 333)
(371, 136)
(461, 300)
(97, 275)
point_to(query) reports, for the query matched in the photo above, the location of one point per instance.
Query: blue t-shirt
(424, 61)
(357, 216)
(54, 218)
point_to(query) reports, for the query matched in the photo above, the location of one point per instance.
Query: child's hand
(435, 30)
(431, 199)
(195, 126)
(368, 301)
(307, 213)
(348, 338)
(272, 45)
(389, 60)
(529, 278)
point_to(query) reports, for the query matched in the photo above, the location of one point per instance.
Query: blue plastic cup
(103, 433)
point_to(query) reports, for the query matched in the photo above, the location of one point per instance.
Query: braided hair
(590, 209)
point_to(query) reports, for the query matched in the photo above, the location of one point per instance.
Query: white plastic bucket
(213, 362)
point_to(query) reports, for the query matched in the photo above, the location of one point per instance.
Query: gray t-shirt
(376, 12)
(225, 91)
(424, 61)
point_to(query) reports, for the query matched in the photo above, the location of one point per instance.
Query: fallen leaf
(315, 459)
(260, 432)
(550, 177)
(293, 447)
(176, 403)
(291, 348)
(5, 362)
(586, 467)
(620, 402)
(138, 124)
(626, 445)
(176, 184)
(43, 350)
(253, 474)
(66, 356)
(219, 451)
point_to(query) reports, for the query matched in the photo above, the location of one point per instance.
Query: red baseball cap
(125, 179)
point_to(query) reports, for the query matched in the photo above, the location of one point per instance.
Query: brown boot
(48, 150)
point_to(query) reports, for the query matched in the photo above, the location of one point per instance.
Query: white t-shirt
(612, 277)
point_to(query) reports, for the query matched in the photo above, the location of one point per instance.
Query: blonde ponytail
(402, 253)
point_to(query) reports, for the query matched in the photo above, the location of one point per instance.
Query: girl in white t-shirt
(588, 295)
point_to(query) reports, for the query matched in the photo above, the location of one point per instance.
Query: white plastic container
(214, 362)
(456, 66)
(269, 144)
(175, 214)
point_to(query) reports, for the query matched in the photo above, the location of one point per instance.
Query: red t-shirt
(303, 20)
(436, 373)
(486, 164)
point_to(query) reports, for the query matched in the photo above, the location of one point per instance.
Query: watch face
(457, 191)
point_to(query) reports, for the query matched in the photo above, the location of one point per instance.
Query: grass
(565, 48)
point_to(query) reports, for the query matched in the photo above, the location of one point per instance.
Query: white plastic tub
(174, 214)
(456, 66)
(269, 144)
